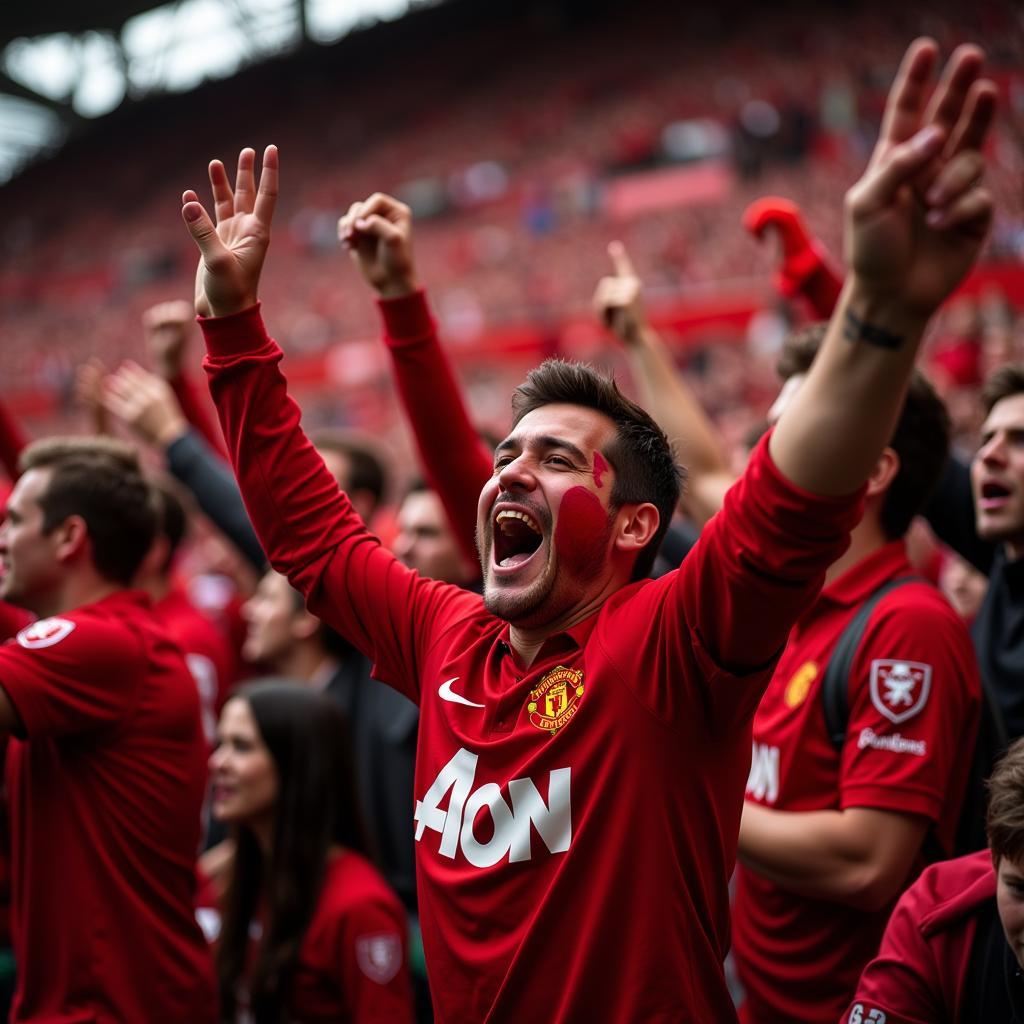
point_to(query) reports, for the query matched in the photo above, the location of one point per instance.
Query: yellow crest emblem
(799, 684)
(556, 699)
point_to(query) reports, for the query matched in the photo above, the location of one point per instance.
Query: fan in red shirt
(834, 826)
(307, 929)
(105, 769)
(584, 732)
(954, 947)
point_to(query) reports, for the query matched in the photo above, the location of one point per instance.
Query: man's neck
(304, 663)
(77, 593)
(1013, 549)
(527, 641)
(866, 538)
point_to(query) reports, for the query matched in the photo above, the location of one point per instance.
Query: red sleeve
(66, 675)
(12, 441)
(902, 985)
(197, 413)
(724, 616)
(305, 524)
(456, 463)
(373, 964)
(914, 700)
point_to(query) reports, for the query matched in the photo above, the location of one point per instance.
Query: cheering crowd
(578, 732)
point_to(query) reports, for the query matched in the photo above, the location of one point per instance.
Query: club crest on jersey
(799, 684)
(45, 633)
(379, 956)
(556, 699)
(899, 689)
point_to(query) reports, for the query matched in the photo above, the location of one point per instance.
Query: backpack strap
(835, 684)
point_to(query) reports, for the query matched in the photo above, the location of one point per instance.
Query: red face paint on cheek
(581, 533)
(600, 468)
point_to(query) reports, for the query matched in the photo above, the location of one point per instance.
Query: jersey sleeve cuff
(238, 334)
(889, 798)
(406, 319)
(816, 516)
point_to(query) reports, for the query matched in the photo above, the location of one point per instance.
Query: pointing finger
(620, 260)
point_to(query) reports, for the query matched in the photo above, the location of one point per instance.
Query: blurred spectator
(305, 927)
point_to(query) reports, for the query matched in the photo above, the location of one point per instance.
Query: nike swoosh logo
(445, 692)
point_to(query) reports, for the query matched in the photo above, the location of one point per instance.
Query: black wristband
(855, 329)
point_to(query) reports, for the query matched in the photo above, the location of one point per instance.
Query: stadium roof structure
(64, 63)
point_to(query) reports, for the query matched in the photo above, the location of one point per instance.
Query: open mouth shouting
(993, 495)
(516, 536)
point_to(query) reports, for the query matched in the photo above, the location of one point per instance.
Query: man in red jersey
(584, 733)
(953, 950)
(105, 767)
(834, 825)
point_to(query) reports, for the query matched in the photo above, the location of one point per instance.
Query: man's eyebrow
(544, 442)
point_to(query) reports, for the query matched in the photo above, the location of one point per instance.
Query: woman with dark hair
(308, 929)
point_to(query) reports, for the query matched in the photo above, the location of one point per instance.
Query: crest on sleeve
(45, 633)
(899, 689)
(379, 956)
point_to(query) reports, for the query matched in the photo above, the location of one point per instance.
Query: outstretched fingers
(202, 230)
(245, 181)
(266, 197)
(972, 128)
(947, 102)
(905, 106)
(223, 197)
(896, 167)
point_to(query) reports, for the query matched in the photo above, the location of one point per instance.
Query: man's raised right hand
(378, 234)
(232, 252)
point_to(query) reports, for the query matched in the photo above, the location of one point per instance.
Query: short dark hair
(1004, 382)
(645, 467)
(921, 438)
(367, 472)
(1004, 822)
(799, 349)
(99, 479)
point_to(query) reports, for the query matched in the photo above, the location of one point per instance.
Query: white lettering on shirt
(512, 824)
(895, 743)
(763, 780)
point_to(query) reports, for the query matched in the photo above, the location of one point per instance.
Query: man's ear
(304, 625)
(70, 538)
(882, 476)
(636, 525)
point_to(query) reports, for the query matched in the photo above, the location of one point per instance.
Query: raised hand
(145, 404)
(916, 220)
(89, 380)
(618, 299)
(167, 326)
(378, 234)
(232, 252)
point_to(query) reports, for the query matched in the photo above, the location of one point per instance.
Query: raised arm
(618, 302)
(306, 525)
(915, 223)
(148, 407)
(167, 326)
(378, 235)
